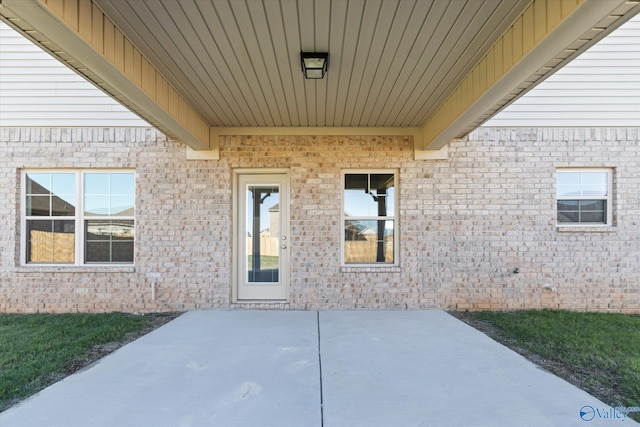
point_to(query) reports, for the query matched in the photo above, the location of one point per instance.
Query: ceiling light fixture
(314, 65)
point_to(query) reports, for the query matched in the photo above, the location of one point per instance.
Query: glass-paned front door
(263, 233)
(262, 246)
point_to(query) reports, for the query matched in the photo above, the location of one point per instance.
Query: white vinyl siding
(37, 90)
(599, 88)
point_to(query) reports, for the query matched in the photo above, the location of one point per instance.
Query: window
(584, 196)
(78, 217)
(369, 218)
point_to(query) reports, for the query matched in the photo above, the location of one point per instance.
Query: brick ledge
(370, 269)
(74, 269)
(579, 229)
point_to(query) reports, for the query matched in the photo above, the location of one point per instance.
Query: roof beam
(81, 36)
(548, 34)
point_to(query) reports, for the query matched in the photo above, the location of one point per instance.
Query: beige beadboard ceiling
(430, 69)
(237, 62)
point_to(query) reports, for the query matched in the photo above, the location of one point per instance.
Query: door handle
(283, 246)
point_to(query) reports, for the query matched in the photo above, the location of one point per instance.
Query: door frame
(285, 273)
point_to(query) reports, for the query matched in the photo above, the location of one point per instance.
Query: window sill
(74, 269)
(585, 229)
(370, 269)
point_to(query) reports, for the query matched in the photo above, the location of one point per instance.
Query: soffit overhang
(432, 69)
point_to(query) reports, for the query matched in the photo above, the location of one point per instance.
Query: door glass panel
(263, 233)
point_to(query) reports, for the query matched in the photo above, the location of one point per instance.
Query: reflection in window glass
(109, 241)
(568, 184)
(50, 194)
(63, 184)
(263, 239)
(369, 241)
(369, 195)
(579, 184)
(52, 221)
(39, 205)
(121, 205)
(38, 183)
(594, 184)
(122, 183)
(109, 194)
(582, 211)
(50, 241)
(96, 183)
(369, 210)
(583, 196)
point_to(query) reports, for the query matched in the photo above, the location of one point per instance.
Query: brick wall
(465, 223)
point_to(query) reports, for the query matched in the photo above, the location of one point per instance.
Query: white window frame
(608, 199)
(79, 218)
(396, 219)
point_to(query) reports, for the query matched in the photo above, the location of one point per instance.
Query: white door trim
(237, 259)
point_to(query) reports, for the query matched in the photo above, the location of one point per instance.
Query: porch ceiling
(434, 69)
(391, 63)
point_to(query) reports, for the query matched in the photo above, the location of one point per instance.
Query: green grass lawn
(266, 262)
(37, 350)
(598, 352)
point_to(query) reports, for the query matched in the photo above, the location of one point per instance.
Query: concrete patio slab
(222, 368)
(426, 368)
(329, 369)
